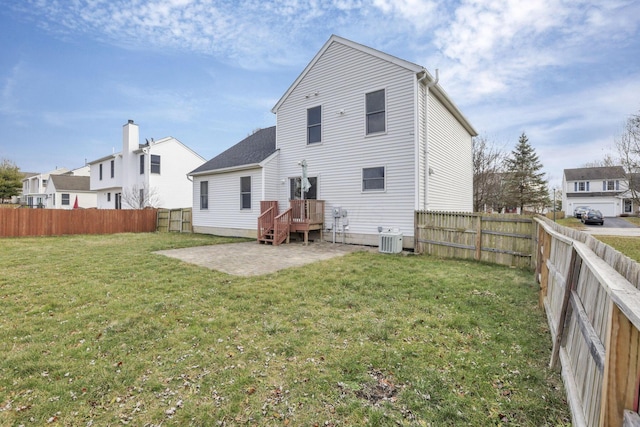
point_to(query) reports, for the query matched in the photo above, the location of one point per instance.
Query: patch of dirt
(381, 389)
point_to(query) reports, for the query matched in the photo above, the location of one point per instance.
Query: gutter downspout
(426, 128)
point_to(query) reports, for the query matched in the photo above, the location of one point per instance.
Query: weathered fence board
(591, 296)
(176, 220)
(499, 239)
(55, 222)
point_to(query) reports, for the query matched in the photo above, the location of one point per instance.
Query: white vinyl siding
(224, 204)
(172, 186)
(341, 77)
(449, 162)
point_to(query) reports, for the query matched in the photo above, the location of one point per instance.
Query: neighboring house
(39, 193)
(376, 136)
(20, 198)
(142, 175)
(601, 188)
(69, 192)
(34, 188)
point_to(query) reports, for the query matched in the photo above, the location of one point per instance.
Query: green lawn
(98, 330)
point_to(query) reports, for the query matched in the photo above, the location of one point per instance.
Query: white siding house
(601, 188)
(70, 191)
(141, 175)
(379, 137)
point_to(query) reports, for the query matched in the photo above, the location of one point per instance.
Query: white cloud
(508, 43)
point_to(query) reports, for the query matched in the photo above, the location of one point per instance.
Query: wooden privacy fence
(591, 297)
(499, 239)
(56, 222)
(175, 220)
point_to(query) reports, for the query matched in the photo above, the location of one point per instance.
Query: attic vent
(390, 242)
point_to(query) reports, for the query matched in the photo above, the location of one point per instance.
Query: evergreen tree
(10, 180)
(525, 184)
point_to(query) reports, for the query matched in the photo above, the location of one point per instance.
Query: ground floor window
(373, 179)
(295, 188)
(65, 199)
(204, 194)
(245, 192)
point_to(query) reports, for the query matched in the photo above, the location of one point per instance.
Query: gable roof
(425, 77)
(70, 182)
(602, 172)
(249, 152)
(337, 39)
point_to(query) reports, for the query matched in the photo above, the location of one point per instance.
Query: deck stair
(302, 216)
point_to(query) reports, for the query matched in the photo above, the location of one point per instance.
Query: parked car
(579, 210)
(592, 216)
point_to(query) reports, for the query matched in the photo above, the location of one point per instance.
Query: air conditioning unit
(390, 242)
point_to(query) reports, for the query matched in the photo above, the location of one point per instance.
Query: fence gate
(176, 220)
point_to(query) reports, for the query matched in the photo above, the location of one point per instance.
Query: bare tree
(487, 175)
(628, 148)
(607, 160)
(140, 197)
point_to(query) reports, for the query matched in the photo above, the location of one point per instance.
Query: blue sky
(72, 72)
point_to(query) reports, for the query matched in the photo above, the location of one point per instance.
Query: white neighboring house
(39, 191)
(601, 188)
(142, 175)
(70, 192)
(34, 188)
(379, 137)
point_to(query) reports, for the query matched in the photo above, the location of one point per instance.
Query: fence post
(621, 370)
(479, 238)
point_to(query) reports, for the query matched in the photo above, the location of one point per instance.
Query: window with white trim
(610, 185)
(581, 186)
(113, 168)
(295, 188)
(65, 199)
(245, 192)
(155, 163)
(314, 125)
(375, 112)
(204, 194)
(141, 164)
(373, 179)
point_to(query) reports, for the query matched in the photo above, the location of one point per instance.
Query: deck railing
(281, 227)
(266, 222)
(307, 211)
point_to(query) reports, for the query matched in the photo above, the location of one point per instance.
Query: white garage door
(607, 209)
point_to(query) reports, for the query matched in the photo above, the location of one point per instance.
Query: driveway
(614, 226)
(253, 259)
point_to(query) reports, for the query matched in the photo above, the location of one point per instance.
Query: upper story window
(113, 168)
(245, 192)
(204, 194)
(376, 112)
(610, 185)
(141, 164)
(100, 168)
(155, 163)
(314, 125)
(373, 179)
(581, 186)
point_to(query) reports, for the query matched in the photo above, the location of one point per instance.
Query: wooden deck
(302, 216)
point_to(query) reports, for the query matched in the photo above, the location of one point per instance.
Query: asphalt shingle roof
(587, 174)
(251, 150)
(70, 183)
